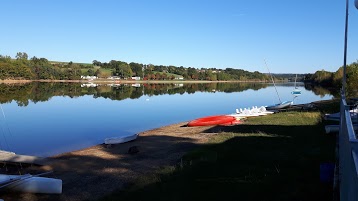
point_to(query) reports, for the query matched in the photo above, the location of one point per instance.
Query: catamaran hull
(119, 140)
(282, 105)
(31, 184)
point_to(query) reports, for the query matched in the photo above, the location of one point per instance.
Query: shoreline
(99, 81)
(96, 171)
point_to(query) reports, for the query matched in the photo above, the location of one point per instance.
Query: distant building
(135, 78)
(89, 77)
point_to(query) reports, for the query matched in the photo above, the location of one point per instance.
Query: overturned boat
(30, 184)
(279, 106)
(121, 139)
(224, 120)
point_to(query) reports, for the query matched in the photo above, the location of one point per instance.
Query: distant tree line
(161, 72)
(24, 68)
(334, 79)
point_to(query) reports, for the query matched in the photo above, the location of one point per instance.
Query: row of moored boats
(235, 118)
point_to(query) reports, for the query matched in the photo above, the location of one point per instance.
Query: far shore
(105, 81)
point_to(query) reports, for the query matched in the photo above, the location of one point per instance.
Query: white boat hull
(242, 116)
(337, 116)
(282, 105)
(118, 140)
(254, 112)
(31, 184)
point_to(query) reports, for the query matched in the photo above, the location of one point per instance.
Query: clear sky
(293, 36)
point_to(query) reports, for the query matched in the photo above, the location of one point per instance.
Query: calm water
(45, 119)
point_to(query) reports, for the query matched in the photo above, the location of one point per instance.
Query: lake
(45, 119)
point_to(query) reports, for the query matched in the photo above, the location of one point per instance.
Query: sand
(96, 171)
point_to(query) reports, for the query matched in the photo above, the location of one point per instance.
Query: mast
(273, 82)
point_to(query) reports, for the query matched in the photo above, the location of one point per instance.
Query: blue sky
(293, 36)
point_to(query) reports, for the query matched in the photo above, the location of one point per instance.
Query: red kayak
(231, 123)
(213, 120)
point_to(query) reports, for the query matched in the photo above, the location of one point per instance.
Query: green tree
(90, 72)
(137, 69)
(21, 56)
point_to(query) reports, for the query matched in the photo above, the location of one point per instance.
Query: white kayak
(254, 112)
(31, 184)
(242, 116)
(118, 140)
(261, 110)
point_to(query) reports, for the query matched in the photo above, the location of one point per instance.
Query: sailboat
(281, 105)
(296, 91)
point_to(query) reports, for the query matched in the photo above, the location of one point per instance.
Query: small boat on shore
(254, 112)
(337, 116)
(30, 184)
(121, 139)
(214, 120)
(281, 105)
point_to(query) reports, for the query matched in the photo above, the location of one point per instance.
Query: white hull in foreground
(31, 184)
(118, 140)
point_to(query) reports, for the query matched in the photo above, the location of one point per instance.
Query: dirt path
(91, 173)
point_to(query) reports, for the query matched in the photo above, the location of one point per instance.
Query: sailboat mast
(273, 82)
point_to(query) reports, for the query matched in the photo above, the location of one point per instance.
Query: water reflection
(61, 117)
(321, 92)
(22, 93)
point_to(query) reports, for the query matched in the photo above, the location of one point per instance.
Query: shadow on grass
(245, 162)
(97, 171)
(257, 162)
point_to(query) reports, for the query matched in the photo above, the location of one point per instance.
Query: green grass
(275, 157)
(105, 70)
(64, 63)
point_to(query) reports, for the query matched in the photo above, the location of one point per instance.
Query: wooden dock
(12, 158)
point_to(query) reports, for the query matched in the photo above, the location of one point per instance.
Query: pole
(273, 81)
(344, 79)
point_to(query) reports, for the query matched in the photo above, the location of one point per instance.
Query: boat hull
(337, 116)
(282, 105)
(119, 140)
(31, 184)
(296, 92)
(213, 120)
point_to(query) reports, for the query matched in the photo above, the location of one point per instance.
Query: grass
(103, 70)
(65, 62)
(275, 157)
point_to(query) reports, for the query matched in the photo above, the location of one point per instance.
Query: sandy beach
(96, 171)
